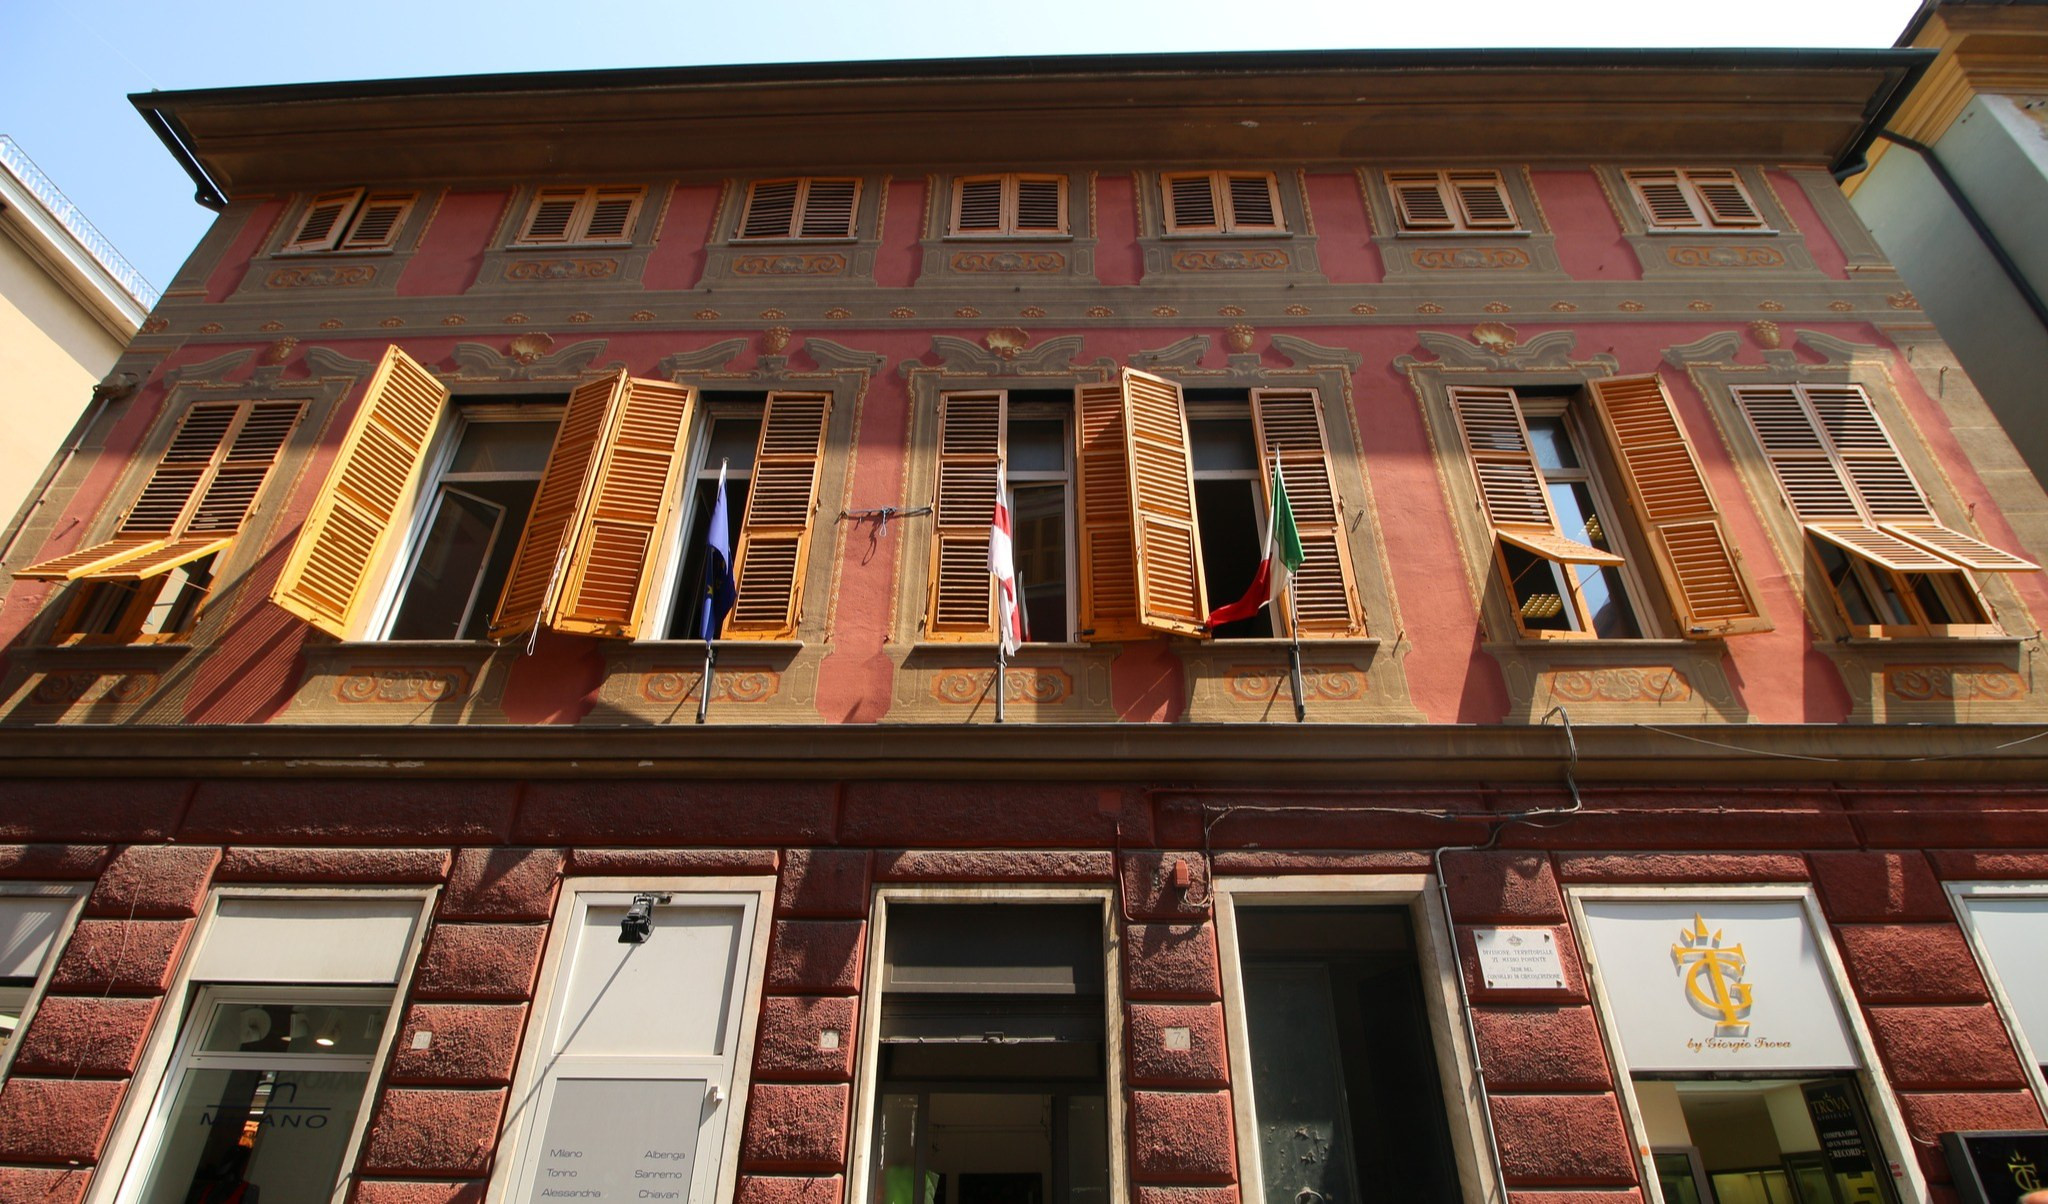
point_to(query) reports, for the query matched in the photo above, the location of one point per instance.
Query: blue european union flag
(719, 586)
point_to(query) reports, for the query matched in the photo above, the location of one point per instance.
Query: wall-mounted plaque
(1523, 959)
(619, 1139)
(1997, 1166)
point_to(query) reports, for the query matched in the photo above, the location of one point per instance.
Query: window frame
(32, 995)
(519, 1136)
(1457, 219)
(1706, 217)
(1593, 472)
(867, 1076)
(2033, 1055)
(793, 231)
(697, 469)
(1437, 962)
(1223, 203)
(1009, 205)
(354, 205)
(135, 1138)
(576, 227)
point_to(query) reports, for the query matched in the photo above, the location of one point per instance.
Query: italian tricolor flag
(1282, 559)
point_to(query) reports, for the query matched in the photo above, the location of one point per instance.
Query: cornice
(1980, 49)
(1249, 754)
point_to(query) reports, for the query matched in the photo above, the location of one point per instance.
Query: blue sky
(72, 63)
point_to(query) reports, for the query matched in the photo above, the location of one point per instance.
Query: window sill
(697, 646)
(1420, 234)
(988, 647)
(836, 240)
(85, 655)
(336, 253)
(568, 246)
(1933, 643)
(1716, 231)
(993, 236)
(1212, 234)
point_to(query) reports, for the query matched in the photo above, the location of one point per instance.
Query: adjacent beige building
(68, 304)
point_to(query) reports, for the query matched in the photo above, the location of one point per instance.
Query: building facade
(1639, 795)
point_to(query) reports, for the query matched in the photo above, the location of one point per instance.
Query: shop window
(283, 1016)
(519, 523)
(1009, 205)
(636, 1072)
(1763, 1141)
(580, 216)
(1134, 506)
(149, 580)
(1432, 202)
(352, 219)
(1694, 200)
(806, 208)
(991, 1078)
(1221, 202)
(32, 919)
(1561, 546)
(1344, 1086)
(2008, 924)
(1894, 568)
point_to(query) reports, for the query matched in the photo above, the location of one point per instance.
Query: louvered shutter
(1664, 200)
(541, 566)
(1722, 195)
(1109, 586)
(326, 217)
(634, 490)
(552, 219)
(1419, 201)
(377, 223)
(611, 215)
(1709, 592)
(374, 479)
(776, 535)
(1254, 201)
(1041, 205)
(1191, 206)
(828, 208)
(1511, 488)
(1482, 200)
(771, 209)
(1290, 425)
(971, 445)
(978, 205)
(1847, 484)
(1171, 595)
(194, 501)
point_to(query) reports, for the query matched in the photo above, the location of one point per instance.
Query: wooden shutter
(1482, 200)
(552, 218)
(1041, 205)
(197, 498)
(541, 565)
(771, 209)
(325, 220)
(1254, 201)
(1109, 586)
(1511, 487)
(633, 491)
(1847, 484)
(972, 429)
(1710, 595)
(611, 215)
(1665, 203)
(377, 223)
(1722, 195)
(1191, 206)
(1168, 550)
(1419, 201)
(978, 205)
(775, 538)
(1290, 426)
(367, 493)
(828, 208)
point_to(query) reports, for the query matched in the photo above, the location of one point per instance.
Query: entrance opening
(993, 1085)
(1775, 1141)
(1344, 1079)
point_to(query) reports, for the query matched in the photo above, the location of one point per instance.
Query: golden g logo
(2025, 1175)
(1713, 978)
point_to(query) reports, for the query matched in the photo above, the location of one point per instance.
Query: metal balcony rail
(73, 219)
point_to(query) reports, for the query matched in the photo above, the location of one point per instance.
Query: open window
(1561, 545)
(149, 580)
(1135, 505)
(991, 1079)
(33, 921)
(353, 219)
(1894, 568)
(441, 520)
